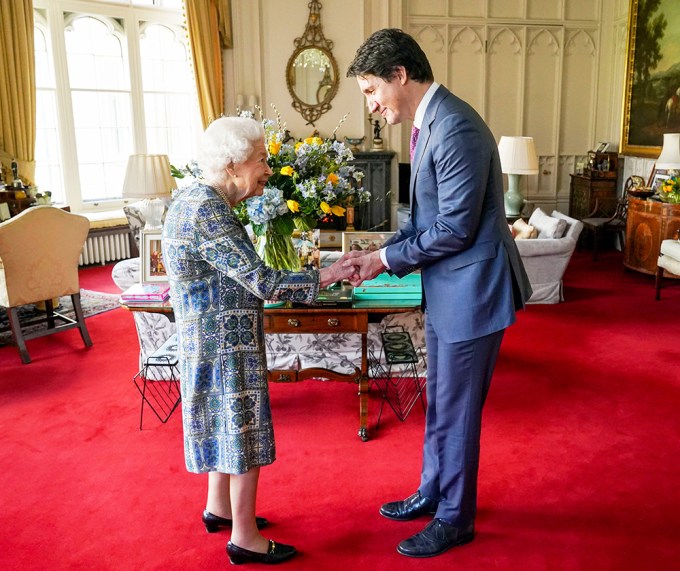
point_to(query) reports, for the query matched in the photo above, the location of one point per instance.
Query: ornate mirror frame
(313, 38)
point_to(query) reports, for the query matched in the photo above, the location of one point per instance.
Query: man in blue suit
(473, 277)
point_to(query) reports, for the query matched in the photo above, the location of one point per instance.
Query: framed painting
(363, 240)
(151, 257)
(651, 104)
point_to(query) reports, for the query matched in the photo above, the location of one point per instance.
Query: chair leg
(17, 334)
(80, 318)
(49, 310)
(659, 277)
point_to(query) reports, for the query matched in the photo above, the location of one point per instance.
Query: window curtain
(17, 87)
(209, 25)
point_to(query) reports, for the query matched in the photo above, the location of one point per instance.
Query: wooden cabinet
(649, 222)
(588, 192)
(377, 167)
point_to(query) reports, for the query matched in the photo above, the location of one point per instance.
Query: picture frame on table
(658, 179)
(151, 257)
(602, 147)
(363, 240)
(651, 104)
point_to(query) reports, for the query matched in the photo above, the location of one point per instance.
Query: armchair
(546, 259)
(46, 270)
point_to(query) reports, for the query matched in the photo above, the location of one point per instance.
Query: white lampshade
(148, 177)
(518, 155)
(670, 152)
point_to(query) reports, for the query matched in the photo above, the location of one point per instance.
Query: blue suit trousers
(458, 379)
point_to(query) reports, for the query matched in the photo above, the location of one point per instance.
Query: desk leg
(363, 390)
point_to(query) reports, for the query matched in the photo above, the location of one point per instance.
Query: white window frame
(129, 18)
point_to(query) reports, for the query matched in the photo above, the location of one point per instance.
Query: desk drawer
(316, 323)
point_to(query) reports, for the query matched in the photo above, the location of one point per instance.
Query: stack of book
(145, 293)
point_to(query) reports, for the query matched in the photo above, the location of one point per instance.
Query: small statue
(377, 130)
(15, 169)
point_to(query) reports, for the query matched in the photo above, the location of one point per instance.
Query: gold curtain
(209, 26)
(17, 86)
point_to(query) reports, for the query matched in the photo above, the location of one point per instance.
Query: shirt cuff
(383, 257)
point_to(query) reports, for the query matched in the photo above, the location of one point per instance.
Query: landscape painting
(652, 94)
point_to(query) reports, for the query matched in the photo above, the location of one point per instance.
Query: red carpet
(577, 470)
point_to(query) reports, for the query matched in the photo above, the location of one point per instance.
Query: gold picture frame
(364, 240)
(151, 257)
(651, 105)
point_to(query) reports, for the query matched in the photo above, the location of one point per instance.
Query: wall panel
(542, 10)
(578, 77)
(504, 93)
(467, 8)
(466, 65)
(542, 85)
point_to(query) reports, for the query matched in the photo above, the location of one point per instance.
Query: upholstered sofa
(547, 255)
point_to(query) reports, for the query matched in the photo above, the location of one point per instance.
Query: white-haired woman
(217, 286)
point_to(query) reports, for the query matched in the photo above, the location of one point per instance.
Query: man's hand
(366, 265)
(337, 272)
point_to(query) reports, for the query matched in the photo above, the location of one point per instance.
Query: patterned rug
(93, 302)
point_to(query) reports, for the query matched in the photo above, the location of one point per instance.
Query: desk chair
(39, 251)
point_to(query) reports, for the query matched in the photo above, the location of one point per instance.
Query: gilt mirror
(312, 72)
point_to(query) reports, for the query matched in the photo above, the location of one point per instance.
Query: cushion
(547, 226)
(523, 231)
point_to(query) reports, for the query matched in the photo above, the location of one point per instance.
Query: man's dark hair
(386, 50)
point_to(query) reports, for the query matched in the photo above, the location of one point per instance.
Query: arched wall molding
(552, 41)
(457, 38)
(515, 41)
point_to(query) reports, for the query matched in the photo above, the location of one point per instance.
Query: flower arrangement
(669, 190)
(311, 179)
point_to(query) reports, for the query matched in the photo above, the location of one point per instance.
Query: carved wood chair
(39, 251)
(599, 226)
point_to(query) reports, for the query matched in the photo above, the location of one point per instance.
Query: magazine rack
(398, 371)
(158, 382)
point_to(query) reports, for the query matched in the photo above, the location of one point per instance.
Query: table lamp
(518, 157)
(669, 159)
(148, 177)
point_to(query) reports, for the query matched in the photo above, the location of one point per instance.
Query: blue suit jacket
(457, 234)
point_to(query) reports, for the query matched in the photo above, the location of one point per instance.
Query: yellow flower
(332, 178)
(287, 171)
(325, 207)
(293, 205)
(314, 141)
(274, 147)
(298, 145)
(338, 210)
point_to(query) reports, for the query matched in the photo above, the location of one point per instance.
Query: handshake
(356, 267)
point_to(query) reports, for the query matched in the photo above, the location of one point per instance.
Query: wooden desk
(649, 223)
(315, 320)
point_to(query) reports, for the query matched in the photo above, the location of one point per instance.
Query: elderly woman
(217, 285)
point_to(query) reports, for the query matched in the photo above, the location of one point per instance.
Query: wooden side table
(589, 192)
(649, 222)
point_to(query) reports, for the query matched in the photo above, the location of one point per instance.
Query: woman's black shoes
(277, 553)
(213, 523)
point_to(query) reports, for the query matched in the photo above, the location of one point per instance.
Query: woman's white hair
(227, 140)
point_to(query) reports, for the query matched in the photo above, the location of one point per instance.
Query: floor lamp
(148, 177)
(518, 157)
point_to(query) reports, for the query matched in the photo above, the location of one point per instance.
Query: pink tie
(414, 140)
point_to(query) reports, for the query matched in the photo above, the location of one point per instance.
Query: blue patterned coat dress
(217, 287)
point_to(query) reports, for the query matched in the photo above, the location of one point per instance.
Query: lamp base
(152, 210)
(513, 199)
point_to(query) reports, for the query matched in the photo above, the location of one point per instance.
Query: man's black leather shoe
(437, 537)
(412, 507)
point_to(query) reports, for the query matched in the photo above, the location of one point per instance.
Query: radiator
(107, 246)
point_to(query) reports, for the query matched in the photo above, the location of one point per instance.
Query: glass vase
(277, 251)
